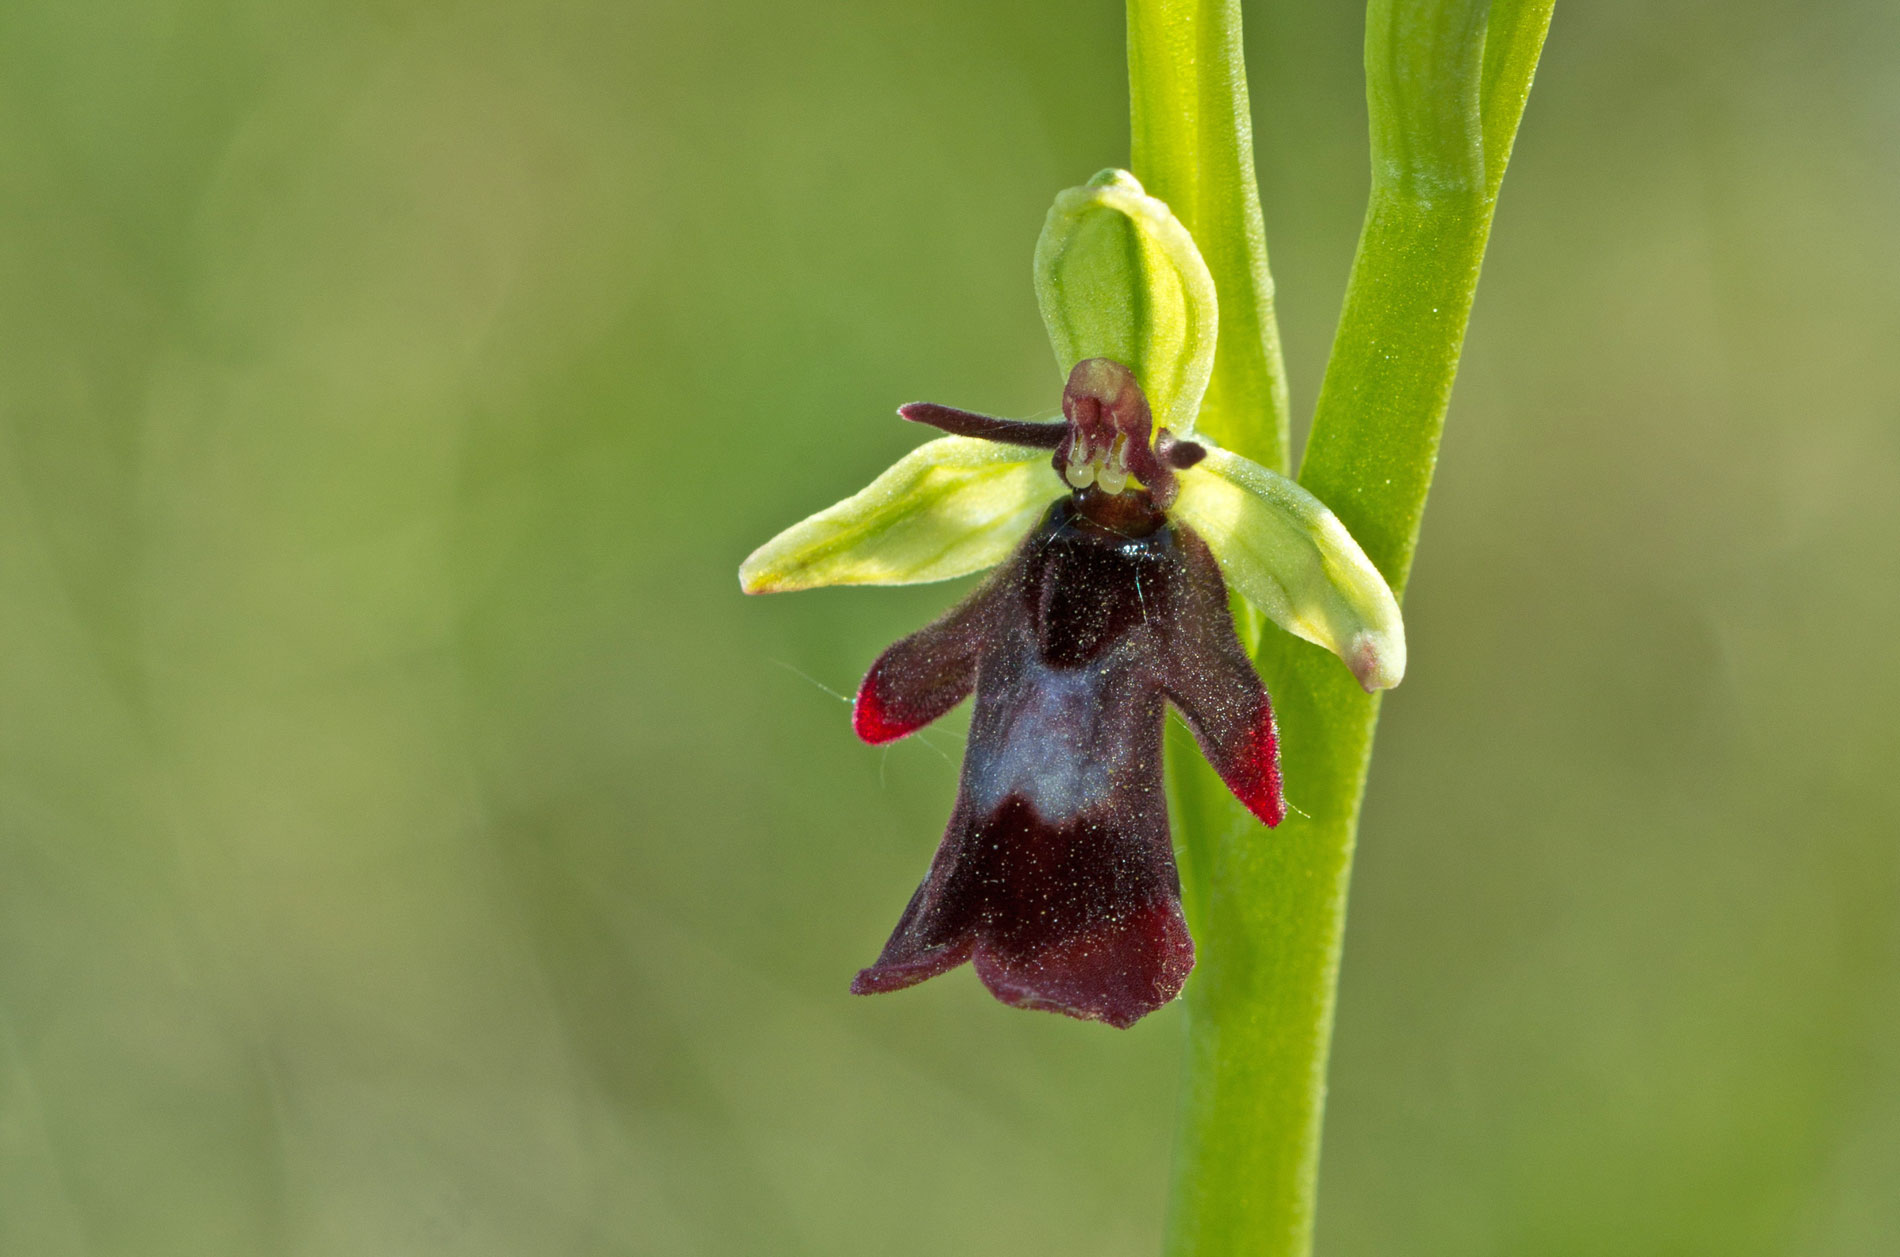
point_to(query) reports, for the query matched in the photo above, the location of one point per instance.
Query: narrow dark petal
(1155, 472)
(1214, 686)
(1177, 453)
(926, 674)
(1025, 432)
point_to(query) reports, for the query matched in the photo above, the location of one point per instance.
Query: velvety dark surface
(1056, 873)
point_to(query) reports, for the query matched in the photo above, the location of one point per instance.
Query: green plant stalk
(1191, 144)
(1446, 86)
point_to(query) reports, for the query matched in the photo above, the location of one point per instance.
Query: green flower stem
(1191, 145)
(1446, 85)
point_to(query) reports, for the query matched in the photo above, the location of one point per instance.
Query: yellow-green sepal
(1285, 552)
(949, 507)
(1119, 277)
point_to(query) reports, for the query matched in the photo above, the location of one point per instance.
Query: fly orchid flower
(1056, 875)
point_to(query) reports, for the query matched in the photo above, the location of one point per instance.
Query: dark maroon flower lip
(1056, 874)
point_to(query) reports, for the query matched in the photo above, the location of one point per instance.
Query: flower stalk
(1191, 145)
(1446, 86)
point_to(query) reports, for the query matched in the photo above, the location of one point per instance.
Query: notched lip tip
(1101, 1017)
(884, 977)
(1118, 1019)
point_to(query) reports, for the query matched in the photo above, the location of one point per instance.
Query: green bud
(1118, 276)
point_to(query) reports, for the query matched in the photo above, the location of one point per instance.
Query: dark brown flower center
(1106, 447)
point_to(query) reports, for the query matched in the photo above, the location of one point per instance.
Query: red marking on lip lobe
(868, 719)
(1257, 781)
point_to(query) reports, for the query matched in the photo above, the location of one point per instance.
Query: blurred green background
(411, 842)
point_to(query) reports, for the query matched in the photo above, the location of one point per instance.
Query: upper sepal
(1119, 277)
(1290, 556)
(949, 507)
